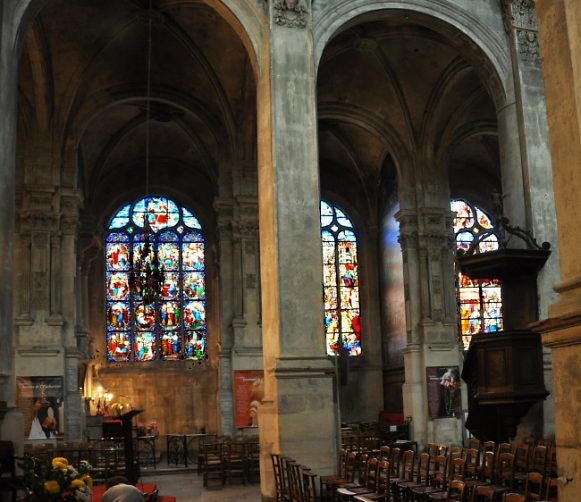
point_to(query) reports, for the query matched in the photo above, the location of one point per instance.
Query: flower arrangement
(57, 481)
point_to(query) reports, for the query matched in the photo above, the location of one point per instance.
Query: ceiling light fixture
(147, 278)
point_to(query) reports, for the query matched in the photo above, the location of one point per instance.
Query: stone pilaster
(298, 418)
(560, 40)
(520, 19)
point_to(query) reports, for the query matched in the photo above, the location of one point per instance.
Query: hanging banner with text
(40, 400)
(248, 394)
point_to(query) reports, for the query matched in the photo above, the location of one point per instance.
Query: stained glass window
(173, 326)
(340, 282)
(479, 300)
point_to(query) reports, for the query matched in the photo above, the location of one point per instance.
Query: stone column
(520, 21)
(227, 287)
(8, 102)
(560, 37)
(427, 247)
(67, 283)
(11, 424)
(298, 417)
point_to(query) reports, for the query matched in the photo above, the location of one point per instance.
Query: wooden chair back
(506, 469)
(457, 469)
(534, 486)
(395, 462)
(384, 452)
(275, 458)
(382, 478)
(552, 490)
(407, 469)
(474, 443)
(483, 493)
(513, 497)
(487, 469)
(472, 467)
(539, 459)
(309, 486)
(456, 491)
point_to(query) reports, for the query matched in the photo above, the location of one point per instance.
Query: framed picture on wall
(443, 391)
(40, 400)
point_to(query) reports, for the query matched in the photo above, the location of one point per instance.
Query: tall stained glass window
(340, 282)
(173, 327)
(479, 300)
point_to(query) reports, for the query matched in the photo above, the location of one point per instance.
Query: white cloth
(122, 493)
(36, 431)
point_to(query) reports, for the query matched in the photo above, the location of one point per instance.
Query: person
(123, 492)
(450, 384)
(36, 431)
(44, 425)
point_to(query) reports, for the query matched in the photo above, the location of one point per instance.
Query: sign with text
(248, 394)
(40, 400)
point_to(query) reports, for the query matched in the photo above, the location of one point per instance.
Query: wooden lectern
(131, 466)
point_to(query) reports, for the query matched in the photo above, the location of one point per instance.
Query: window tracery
(173, 326)
(479, 300)
(340, 282)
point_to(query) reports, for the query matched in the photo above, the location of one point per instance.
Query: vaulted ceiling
(394, 90)
(397, 89)
(83, 80)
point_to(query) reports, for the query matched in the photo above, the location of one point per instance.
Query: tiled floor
(186, 486)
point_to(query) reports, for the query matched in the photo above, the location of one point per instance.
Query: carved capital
(244, 230)
(291, 13)
(521, 16)
(33, 221)
(69, 225)
(528, 46)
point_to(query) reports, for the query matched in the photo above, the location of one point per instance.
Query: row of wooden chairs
(484, 471)
(294, 482)
(227, 460)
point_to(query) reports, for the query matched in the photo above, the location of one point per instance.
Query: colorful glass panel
(171, 346)
(117, 256)
(118, 286)
(118, 315)
(170, 285)
(340, 282)
(169, 255)
(144, 346)
(190, 220)
(118, 346)
(194, 287)
(174, 326)
(196, 345)
(193, 256)
(121, 218)
(194, 315)
(479, 300)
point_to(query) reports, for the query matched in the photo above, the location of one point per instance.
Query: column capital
(520, 18)
(290, 13)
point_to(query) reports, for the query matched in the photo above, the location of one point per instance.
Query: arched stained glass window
(340, 282)
(172, 327)
(479, 300)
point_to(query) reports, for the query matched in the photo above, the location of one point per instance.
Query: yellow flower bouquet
(57, 480)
